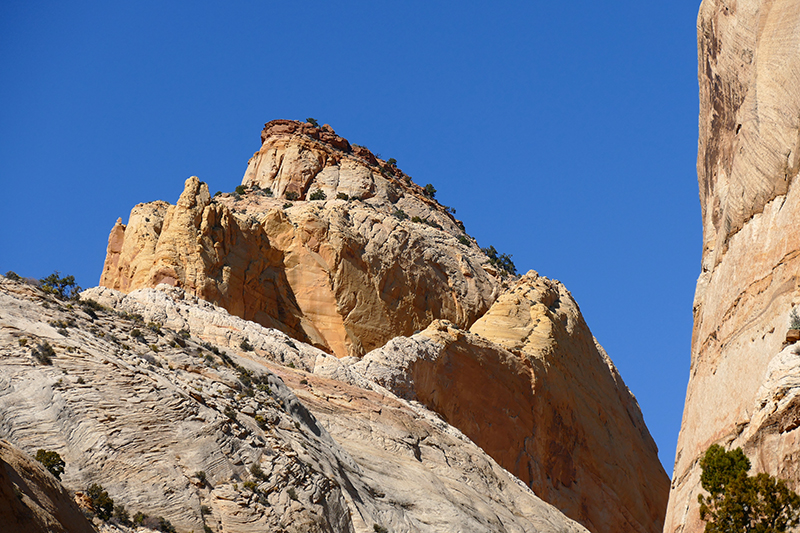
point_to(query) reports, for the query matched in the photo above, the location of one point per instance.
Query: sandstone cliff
(740, 391)
(143, 394)
(341, 250)
(375, 259)
(543, 399)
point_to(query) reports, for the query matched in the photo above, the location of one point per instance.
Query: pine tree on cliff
(741, 503)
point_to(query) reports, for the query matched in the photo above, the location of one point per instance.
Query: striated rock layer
(740, 390)
(543, 399)
(376, 258)
(141, 408)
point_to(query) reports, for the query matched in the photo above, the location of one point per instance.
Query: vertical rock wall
(748, 160)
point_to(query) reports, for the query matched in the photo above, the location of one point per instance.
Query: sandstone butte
(743, 388)
(328, 294)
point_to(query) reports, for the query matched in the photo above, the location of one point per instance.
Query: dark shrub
(52, 461)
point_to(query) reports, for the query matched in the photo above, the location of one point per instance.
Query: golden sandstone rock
(740, 392)
(543, 399)
(341, 250)
(344, 275)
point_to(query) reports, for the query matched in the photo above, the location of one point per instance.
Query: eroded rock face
(141, 409)
(202, 247)
(374, 260)
(542, 398)
(32, 500)
(748, 159)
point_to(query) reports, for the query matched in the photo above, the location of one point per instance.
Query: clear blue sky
(564, 133)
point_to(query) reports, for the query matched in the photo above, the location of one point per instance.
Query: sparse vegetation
(44, 353)
(313, 122)
(429, 191)
(317, 195)
(13, 276)
(205, 510)
(136, 334)
(287, 205)
(23, 341)
(230, 413)
(501, 262)
(201, 477)
(391, 161)
(155, 327)
(342, 196)
(62, 288)
(464, 240)
(426, 221)
(246, 346)
(240, 189)
(291, 195)
(257, 472)
(292, 493)
(121, 515)
(165, 526)
(379, 529)
(794, 319)
(738, 502)
(400, 214)
(52, 461)
(102, 504)
(139, 518)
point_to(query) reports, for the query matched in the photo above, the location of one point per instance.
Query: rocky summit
(324, 349)
(743, 388)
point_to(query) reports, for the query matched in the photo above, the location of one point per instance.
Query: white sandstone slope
(140, 407)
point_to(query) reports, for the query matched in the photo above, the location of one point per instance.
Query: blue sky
(564, 133)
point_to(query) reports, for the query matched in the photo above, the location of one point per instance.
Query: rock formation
(740, 390)
(341, 250)
(543, 399)
(32, 500)
(142, 408)
(375, 259)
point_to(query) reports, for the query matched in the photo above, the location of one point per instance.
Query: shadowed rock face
(543, 399)
(346, 275)
(32, 500)
(748, 159)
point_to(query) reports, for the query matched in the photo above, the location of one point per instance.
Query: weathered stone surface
(202, 247)
(32, 500)
(555, 412)
(748, 159)
(141, 411)
(344, 275)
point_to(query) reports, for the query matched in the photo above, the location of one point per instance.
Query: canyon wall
(742, 391)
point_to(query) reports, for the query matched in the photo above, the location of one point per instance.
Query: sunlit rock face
(530, 385)
(748, 159)
(142, 394)
(341, 251)
(376, 258)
